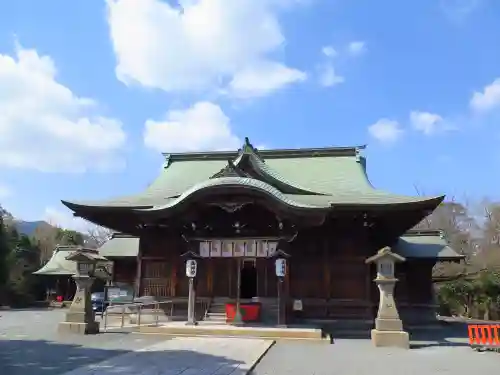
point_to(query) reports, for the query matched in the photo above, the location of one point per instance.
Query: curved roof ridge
(249, 153)
(258, 185)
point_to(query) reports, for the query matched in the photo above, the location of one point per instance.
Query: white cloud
(427, 123)
(45, 126)
(250, 82)
(488, 99)
(329, 51)
(356, 48)
(328, 77)
(201, 45)
(65, 220)
(5, 191)
(386, 130)
(204, 126)
(458, 10)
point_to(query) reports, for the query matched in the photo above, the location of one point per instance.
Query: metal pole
(105, 315)
(191, 301)
(281, 308)
(238, 319)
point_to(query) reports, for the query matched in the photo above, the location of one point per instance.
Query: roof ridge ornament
(359, 153)
(230, 170)
(167, 162)
(248, 148)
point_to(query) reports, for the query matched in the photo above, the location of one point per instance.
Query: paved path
(359, 357)
(30, 344)
(186, 356)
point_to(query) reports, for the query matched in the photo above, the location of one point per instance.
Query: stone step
(215, 320)
(216, 314)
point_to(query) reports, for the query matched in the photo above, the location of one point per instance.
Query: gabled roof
(119, 246)
(59, 265)
(312, 177)
(426, 244)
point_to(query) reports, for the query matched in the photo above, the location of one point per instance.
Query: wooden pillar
(326, 268)
(266, 290)
(210, 276)
(173, 284)
(230, 268)
(369, 292)
(286, 296)
(138, 274)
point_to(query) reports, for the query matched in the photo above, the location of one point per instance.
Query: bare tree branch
(97, 235)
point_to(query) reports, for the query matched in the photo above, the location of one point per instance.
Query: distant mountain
(28, 227)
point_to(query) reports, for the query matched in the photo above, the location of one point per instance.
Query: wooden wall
(327, 271)
(125, 270)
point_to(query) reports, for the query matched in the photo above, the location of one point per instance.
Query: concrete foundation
(223, 330)
(399, 339)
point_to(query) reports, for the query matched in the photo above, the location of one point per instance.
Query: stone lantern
(388, 326)
(80, 316)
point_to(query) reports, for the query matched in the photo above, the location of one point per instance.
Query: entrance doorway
(248, 286)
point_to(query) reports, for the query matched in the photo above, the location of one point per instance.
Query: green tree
(69, 237)
(4, 256)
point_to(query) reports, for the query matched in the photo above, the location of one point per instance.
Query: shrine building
(236, 209)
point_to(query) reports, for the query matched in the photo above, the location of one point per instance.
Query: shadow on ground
(40, 357)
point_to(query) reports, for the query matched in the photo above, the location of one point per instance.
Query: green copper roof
(235, 182)
(58, 265)
(426, 244)
(120, 245)
(324, 176)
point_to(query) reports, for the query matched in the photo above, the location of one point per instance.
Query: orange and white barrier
(484, 334)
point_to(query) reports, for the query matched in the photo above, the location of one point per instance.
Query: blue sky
(92, 91)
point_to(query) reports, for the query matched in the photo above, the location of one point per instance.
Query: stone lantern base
(389, 333)
(80, 318)
(91, 328)
(399, 339)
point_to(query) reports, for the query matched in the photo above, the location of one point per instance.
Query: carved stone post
(80, 317)
(388, 326)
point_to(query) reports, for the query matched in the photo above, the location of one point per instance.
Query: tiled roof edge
(122, 235)
(267, 154)
(424, 232)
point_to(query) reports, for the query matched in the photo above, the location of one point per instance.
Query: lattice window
(155, 270)
(159, 287)
(156, 279)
